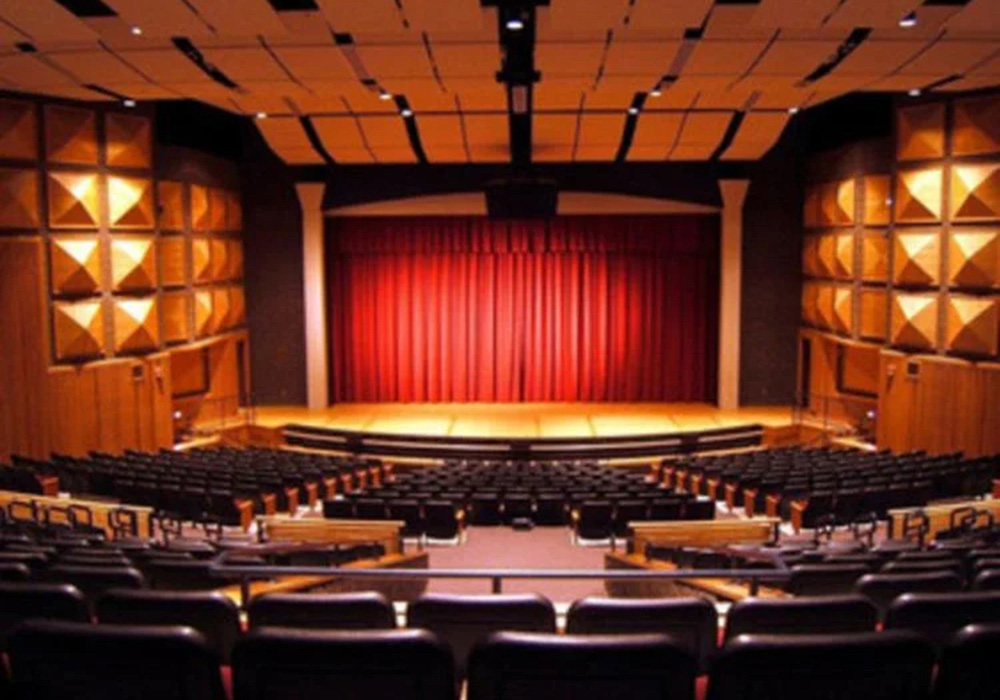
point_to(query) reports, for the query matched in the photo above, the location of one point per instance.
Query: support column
(730, 291)
(314, 292)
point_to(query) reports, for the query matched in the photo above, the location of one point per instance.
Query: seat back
(275, 664)
(461, 621)
(181, 575)
(824, 579)
(987, 580)
(94, 662)
(517, 666)
(46, 601)
(94, 581)
(327, 611)
(882, 589)
(691, 622)
(872, 665)
(968, 667)
(938, 616)
(441, 520)
(806, 615)
(212, 614)
(14, 572)
(595, 520)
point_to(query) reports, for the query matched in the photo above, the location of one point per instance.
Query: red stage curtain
(570, 309)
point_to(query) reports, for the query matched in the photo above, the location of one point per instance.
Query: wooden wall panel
(18, 139)
(919, 195)
(18, 199)
(171, 208)
(972, 324)
(877, 200)
(897, 394)
(74, 417)
(860, 368)
(873, 322)
(173, 260)
(875, 256)
(977, 126)
(975, 192)
(974, 258)
(947, 404)
(917, 258)
(70, 135)
(176, 314)
(988, 381)
(920, 131)
(129, 142)
(914, 320)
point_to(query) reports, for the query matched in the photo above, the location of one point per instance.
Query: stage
(524, 420)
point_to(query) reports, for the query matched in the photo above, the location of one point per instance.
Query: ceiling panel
(580, 19)
(243, 18)
(315, 62)
(164, 18)
(288, 140)
(338, 132)
(794, 57)
(446, 154)
(723, 57)
(616, 92)
(489, 139)
(394, 154)
(250, 63)
(479, 95)
(601, 129)
(947, 57)
(45, 21)
(601, 153)
(568, 58)
(647, 58)
(876, 58)
(27, 70)
(865, 13)
(368, 17)
(355, 156)
(423, 95)
(551, 153)
(664, 17)
(385, 131)
(560, 94)
(467, 60)
(440, 130)
(396, 61)
(164, 65)
(552, 129)
(977, 16)
(757, 133)
(700, 135)
(359, 98)
(443, 18)
(654, 135)
(95, 67)
(792, 13)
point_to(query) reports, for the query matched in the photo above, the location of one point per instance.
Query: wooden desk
(278, 528)
(702, 533)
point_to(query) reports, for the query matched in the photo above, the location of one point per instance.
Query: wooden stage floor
(527, 420)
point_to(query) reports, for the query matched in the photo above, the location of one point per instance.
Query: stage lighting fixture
(633, 110)
(655, 92)
(136, 31)
(128, 102)
(515, 24)
(406, 113)
(262, 115)
(793, 110)
(915, 92)
(908, 20)
(383, 95)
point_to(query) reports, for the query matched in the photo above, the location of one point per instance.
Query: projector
(521, 198)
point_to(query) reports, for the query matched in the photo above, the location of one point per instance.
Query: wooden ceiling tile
(758, 132)
(723, 57)
(655, 134)
(396, 61)
(700, 135)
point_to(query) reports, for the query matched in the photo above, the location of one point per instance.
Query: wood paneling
(843, 309)
(919, 195)
(974, 258)
(917, 258)
(859, 368)
(920, 131)
(74, 200)
(173, 260)
(975, 192)
(128, 140)
(79, 330)
(877, 200)
(18, 199)
(175, 316)
(133, 263)
(874, 256)
(873, 322)
(977, 125)
(18, 139)
(75, 265)
(130, 202)
(70, 135)
(972, 324)
(914, 320)
(171, 208)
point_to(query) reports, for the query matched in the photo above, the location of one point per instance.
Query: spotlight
(128, 102)
(515, 24)
(633, 110)
(655, 92)
(383, 95)
(406, 113)
(908, 20)
(915, 92)
(136, 31)
(262, 115)
(793, 110)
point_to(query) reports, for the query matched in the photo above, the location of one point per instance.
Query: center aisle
(504, 548)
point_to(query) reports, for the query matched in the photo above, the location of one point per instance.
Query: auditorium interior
(500, 349)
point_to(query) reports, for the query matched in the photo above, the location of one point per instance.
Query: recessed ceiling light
(262, 115)
(655, 92)
(908, 20)
(128, 102)
(915, 92)
(137, 30)
(633, 110)
(406, 113)
(385, 95)
(515, 24)
(793, 110)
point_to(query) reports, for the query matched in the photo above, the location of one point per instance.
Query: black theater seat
(46, 601)
(595, 521)
(968, 667)
(938, 616)
(408, 511)
(462, 620)
(517, 505)
(871, 665)
(485, 509)
(52, 660)
(551, 509)
(214, 615)
(627, 512)
(14, 572)
(691, 622)
(882, 589)
(988, 580)
(807, 615)
(94, 581)
(441, 520)
(326, 611)
(338, 508)
(518, 666)
(280, 664)
(824, 579)
(182, 575)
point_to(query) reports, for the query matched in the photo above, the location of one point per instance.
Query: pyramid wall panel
(914, 320)
(877, 197)
(200, 208)
(171, 206)
(220, 308)
(918, 195)
(826, 253)
(810, 295)
(975, 192)
(872, 308)
(843, 260)
(204, 323)
(843, 309)
(78, 329)
(18, 198)
(137, 325)
(133, 263)
(972, 324)
(176, 317)
(234, 260)
(70, 135)
(128, 140)
(73, 200)
(811, 206)
(173, 260)
(875, 256)
(920, 131)
(220, 257)
(810, 255)
(917, 258)
(974, 258)
(75, 265)
(218, 201)
(976, 128)
(837, 203)
(18, 130)
(130, 202)
(824, 306)
(201, 260)
(234, 212)
(237, 305)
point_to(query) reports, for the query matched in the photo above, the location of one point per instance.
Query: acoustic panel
(917, 258)
(74, 200)
(234, 260)
(133, 264)
(78, 328)
(171, 208)
(975, 192)
(920, 131)
(826, 253)
(220, 308)
(75, 265)
(203, 316)
(918, 195)
(824, 306)
(972, 324)
(877, 200)
(843, 309)
(200, 210)
(843, 259)
(974, 258)
(914, 320)
(173, 260)
(137, 325)
(837, 203)
(217, 202)
(18, 135)
(811, 206)
(128, 140)
(175, 317)
(810, 256)
(130, 202)
(201, 260)
(872, 310)
(219, 254)
(976, 128)
(70, 135)
(874, 256)
(234, 212)
(810, 298)
(18, 198)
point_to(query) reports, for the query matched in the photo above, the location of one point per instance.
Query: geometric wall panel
(171, 206)
(917, 258)
(974, 258)
(137, 325)
(918, 195)
(810, 252)
(234, 212)
(973, 324)
(843, 309)
(73, 200)
(810, 295)
(203, 321)
(175, 317)
(826, 253)
(133, 264)
(75, 265)
(78, 329)
(200, 210)
(914, 320)
(70, 135)
(219, 258)
(920, 131)
(837, 202)
(876, 200)
(220, 308)
(976, 126)
(201, 260)
(237, 305)
(843, 261)
(234, 258)
(128, 140)
(18, 198)
(811, 206)
(130, 202)
(173, 260)
(872, 323)
(975, 192)
(217, 209)
(874, 256)
(17, 130)
(824, 306)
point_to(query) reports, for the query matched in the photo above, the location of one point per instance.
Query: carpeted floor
(504, 548)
